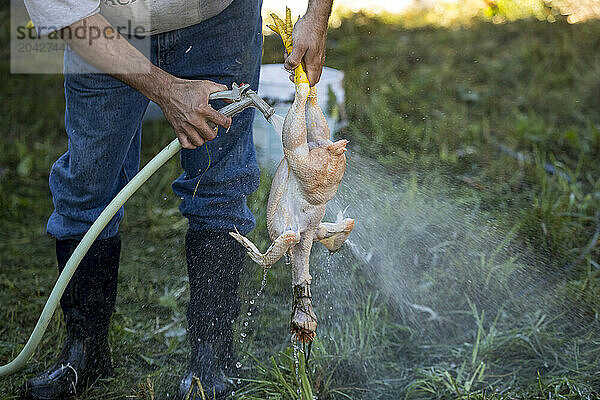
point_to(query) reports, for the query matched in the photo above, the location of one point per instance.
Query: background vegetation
(486, 283)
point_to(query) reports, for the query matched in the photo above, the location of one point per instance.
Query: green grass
(470, 298)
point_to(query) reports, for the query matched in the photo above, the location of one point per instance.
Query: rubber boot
(87, 305)
(214, 261)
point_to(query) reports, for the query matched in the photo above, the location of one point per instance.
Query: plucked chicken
(306, 179)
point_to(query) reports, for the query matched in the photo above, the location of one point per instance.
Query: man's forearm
(184, 102)
(320, 10)
(309, 35)
(113, 54)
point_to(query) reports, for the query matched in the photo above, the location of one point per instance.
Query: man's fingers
(207, 132)
(216, 117)
(193, 134)
(314, 60)
(293, 60)
(183, 140)
(200, 124)
(203, 130)
(216, 87)
(209, 113)
(314, 75)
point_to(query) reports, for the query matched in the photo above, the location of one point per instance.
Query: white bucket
(277, 90)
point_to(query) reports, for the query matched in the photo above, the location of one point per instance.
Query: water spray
(241, 97)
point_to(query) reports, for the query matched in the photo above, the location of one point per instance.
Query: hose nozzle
(261, 105)
(242, 97)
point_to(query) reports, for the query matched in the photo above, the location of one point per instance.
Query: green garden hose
(63, 280)
(240, 97)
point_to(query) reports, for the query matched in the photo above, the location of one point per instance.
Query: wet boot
(214, 261)
(87, 305)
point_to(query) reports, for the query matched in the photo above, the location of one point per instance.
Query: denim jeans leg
(103, 123)
(219, 176)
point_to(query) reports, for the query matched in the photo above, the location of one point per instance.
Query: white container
(277, 90)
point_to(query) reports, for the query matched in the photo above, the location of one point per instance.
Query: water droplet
(238, 365)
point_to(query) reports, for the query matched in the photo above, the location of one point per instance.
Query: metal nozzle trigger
(235, 94)
(242, 97)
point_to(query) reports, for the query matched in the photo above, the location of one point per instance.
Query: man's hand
(185, 105)
(308, 38)
(184, 102)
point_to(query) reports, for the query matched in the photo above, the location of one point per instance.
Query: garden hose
(88, 239)
(241, 97)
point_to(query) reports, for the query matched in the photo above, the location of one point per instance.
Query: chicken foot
(304, 320)
(303, 323)
(277, 249)
(333, 234)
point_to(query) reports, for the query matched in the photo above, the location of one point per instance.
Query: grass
(473, 294)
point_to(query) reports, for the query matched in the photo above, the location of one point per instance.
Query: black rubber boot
(87, 304)
(214, 261)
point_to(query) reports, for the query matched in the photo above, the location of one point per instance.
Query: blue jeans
(103, 120)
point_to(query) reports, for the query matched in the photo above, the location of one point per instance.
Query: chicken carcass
(305, 180)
